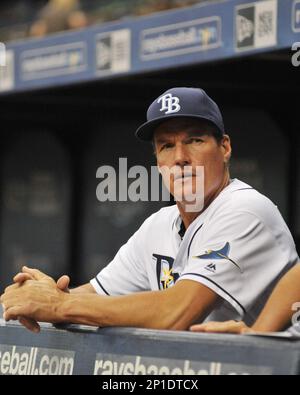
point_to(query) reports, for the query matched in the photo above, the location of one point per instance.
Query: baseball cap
(183, 103)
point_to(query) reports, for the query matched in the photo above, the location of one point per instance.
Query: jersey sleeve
(237, 257)
(126, 273)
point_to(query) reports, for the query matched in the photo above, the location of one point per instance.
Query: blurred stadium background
(38, 18)
(60, 123)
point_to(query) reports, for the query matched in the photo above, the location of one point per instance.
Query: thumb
(63, 283)
(29, 324)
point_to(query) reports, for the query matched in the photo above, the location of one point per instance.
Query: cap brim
(145, 131)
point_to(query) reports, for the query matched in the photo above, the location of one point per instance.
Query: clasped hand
(34, 297)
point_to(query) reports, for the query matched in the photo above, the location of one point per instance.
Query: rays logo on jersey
(166, 277)
(223, 253)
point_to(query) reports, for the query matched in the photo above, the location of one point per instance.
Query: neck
(189, 217)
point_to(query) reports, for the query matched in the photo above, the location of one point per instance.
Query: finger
(232, 327)
(13, 313)
(30, 324)
(198, 328)
(10, 298)
(22, 277)
(216, 327)
(12, 287)
(63, 283)
(207, 327)
(35, 273)
(10, 301)
(9, 316)
(229, 327)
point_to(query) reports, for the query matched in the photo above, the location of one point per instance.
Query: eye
(195, 140)
(166, 146)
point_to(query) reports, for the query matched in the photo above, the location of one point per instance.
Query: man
(277, 314)
(218, 261)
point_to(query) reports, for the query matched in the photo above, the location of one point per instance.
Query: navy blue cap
(183, 103)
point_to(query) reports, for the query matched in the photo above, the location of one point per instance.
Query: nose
(181, 156)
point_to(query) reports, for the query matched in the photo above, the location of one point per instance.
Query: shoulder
(242, 201)
(248, 200)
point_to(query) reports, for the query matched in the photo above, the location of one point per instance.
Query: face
(193, 156)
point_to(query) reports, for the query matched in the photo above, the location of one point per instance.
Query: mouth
(183, 176)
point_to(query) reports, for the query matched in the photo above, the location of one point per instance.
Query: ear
(227, 150)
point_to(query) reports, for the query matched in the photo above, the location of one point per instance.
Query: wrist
(63, 309)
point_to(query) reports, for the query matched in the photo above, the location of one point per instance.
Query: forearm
(174, 308)
(145, 310)
(168, 309)
(277, 314)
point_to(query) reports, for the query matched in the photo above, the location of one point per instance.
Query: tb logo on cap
(170, 103)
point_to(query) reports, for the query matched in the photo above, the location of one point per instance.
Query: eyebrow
(190, 134)
(161, 140)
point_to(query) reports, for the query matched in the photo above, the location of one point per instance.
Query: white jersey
(238, 247)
